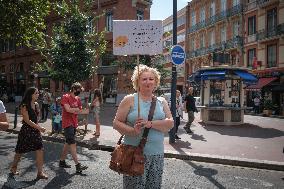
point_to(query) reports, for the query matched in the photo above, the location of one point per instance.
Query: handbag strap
(146, 130)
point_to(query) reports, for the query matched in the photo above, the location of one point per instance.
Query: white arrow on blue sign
(178, 55)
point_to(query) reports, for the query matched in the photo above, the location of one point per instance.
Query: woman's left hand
(148, 124)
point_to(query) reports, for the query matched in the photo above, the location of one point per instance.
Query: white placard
(133, 37)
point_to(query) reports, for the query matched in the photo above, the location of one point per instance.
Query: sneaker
(177, 137)
(80, 168)
(63, 164)
(189, 131)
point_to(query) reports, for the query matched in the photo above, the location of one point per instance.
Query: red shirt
(70, 119)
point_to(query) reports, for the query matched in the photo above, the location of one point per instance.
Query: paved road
(177, 173)
(259, 139)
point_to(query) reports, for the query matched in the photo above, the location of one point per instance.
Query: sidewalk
(258, 143)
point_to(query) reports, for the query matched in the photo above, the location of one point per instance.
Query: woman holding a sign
(131, 119)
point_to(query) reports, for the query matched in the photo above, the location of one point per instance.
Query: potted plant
(267, 107)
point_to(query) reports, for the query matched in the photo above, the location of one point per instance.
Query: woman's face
(147, 81)
(35, 95)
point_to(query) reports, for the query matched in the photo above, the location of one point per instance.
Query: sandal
(14, 171)
(96, 134)
(41, 176)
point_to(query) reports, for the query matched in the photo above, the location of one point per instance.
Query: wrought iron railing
(222, 46)
(272, 32)
(216, 18)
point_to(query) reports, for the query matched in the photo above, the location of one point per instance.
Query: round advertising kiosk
(222, 94)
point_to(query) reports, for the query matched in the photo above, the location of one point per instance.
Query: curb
(224, 160)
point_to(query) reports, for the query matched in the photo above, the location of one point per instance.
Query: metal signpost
(178, 58)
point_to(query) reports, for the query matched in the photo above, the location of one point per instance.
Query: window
(223, 5)
(193, 19)
(192, 44)
(202, 40)
(271, 55)
(12, 67)
(236, 2)
(251, 25)
(202, 14)
(223, 34)
(180, 21)
(109, 18)
(211, 38)
(212, 8)
(168, 43)
(4, 45)
(271, 19)
(90, 25)
(235, 28)
(140, 15)
(180, 37)
(108, 58)
(168, 27)
(251, 55)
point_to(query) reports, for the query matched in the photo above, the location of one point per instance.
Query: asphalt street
(177, 173)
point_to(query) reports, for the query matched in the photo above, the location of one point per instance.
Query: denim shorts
(69, 133)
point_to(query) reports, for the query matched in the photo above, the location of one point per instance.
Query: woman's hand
(138, 125)
(42, 129)
(148, 124)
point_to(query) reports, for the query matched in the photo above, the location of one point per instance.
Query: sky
(161, 9)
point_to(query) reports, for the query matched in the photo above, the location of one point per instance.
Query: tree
(156, 61)
(73, 51)
(24, 21)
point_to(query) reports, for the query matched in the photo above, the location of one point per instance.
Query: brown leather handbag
(128, 159)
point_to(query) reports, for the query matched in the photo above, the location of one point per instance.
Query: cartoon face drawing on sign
(121, 41)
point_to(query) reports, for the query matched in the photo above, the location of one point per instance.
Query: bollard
(16, 116)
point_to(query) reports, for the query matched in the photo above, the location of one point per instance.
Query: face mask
(76, 93)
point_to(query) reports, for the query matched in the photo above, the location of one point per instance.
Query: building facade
(167, 44)
(263, 50)
(17, 63)
(239, 33)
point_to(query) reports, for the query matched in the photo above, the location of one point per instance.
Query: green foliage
(156, 61)
(73, 51)
(23, 21)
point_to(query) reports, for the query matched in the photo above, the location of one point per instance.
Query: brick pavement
(257, 143)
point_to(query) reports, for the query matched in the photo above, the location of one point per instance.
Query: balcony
(229, 44)
(272, 32)
(264, 3)
(250, 6)
(216, 18)
(251, 38)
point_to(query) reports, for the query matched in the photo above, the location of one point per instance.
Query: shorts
(69, 133)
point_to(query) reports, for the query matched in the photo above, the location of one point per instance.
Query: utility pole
(174, 76)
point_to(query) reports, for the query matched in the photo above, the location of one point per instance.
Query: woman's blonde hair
(144, 68)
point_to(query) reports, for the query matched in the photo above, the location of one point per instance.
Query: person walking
(4, 125)
(56, 110)
(256, 102)
(179, 111)
(29, 138)
(127, 123)
(95, 108)
(46, 99)
(190, 108)
(71, 107)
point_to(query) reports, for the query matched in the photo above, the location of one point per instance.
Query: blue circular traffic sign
(178, 55)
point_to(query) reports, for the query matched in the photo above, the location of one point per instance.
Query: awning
(261, 83)
(247, 77)
(213, 74)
